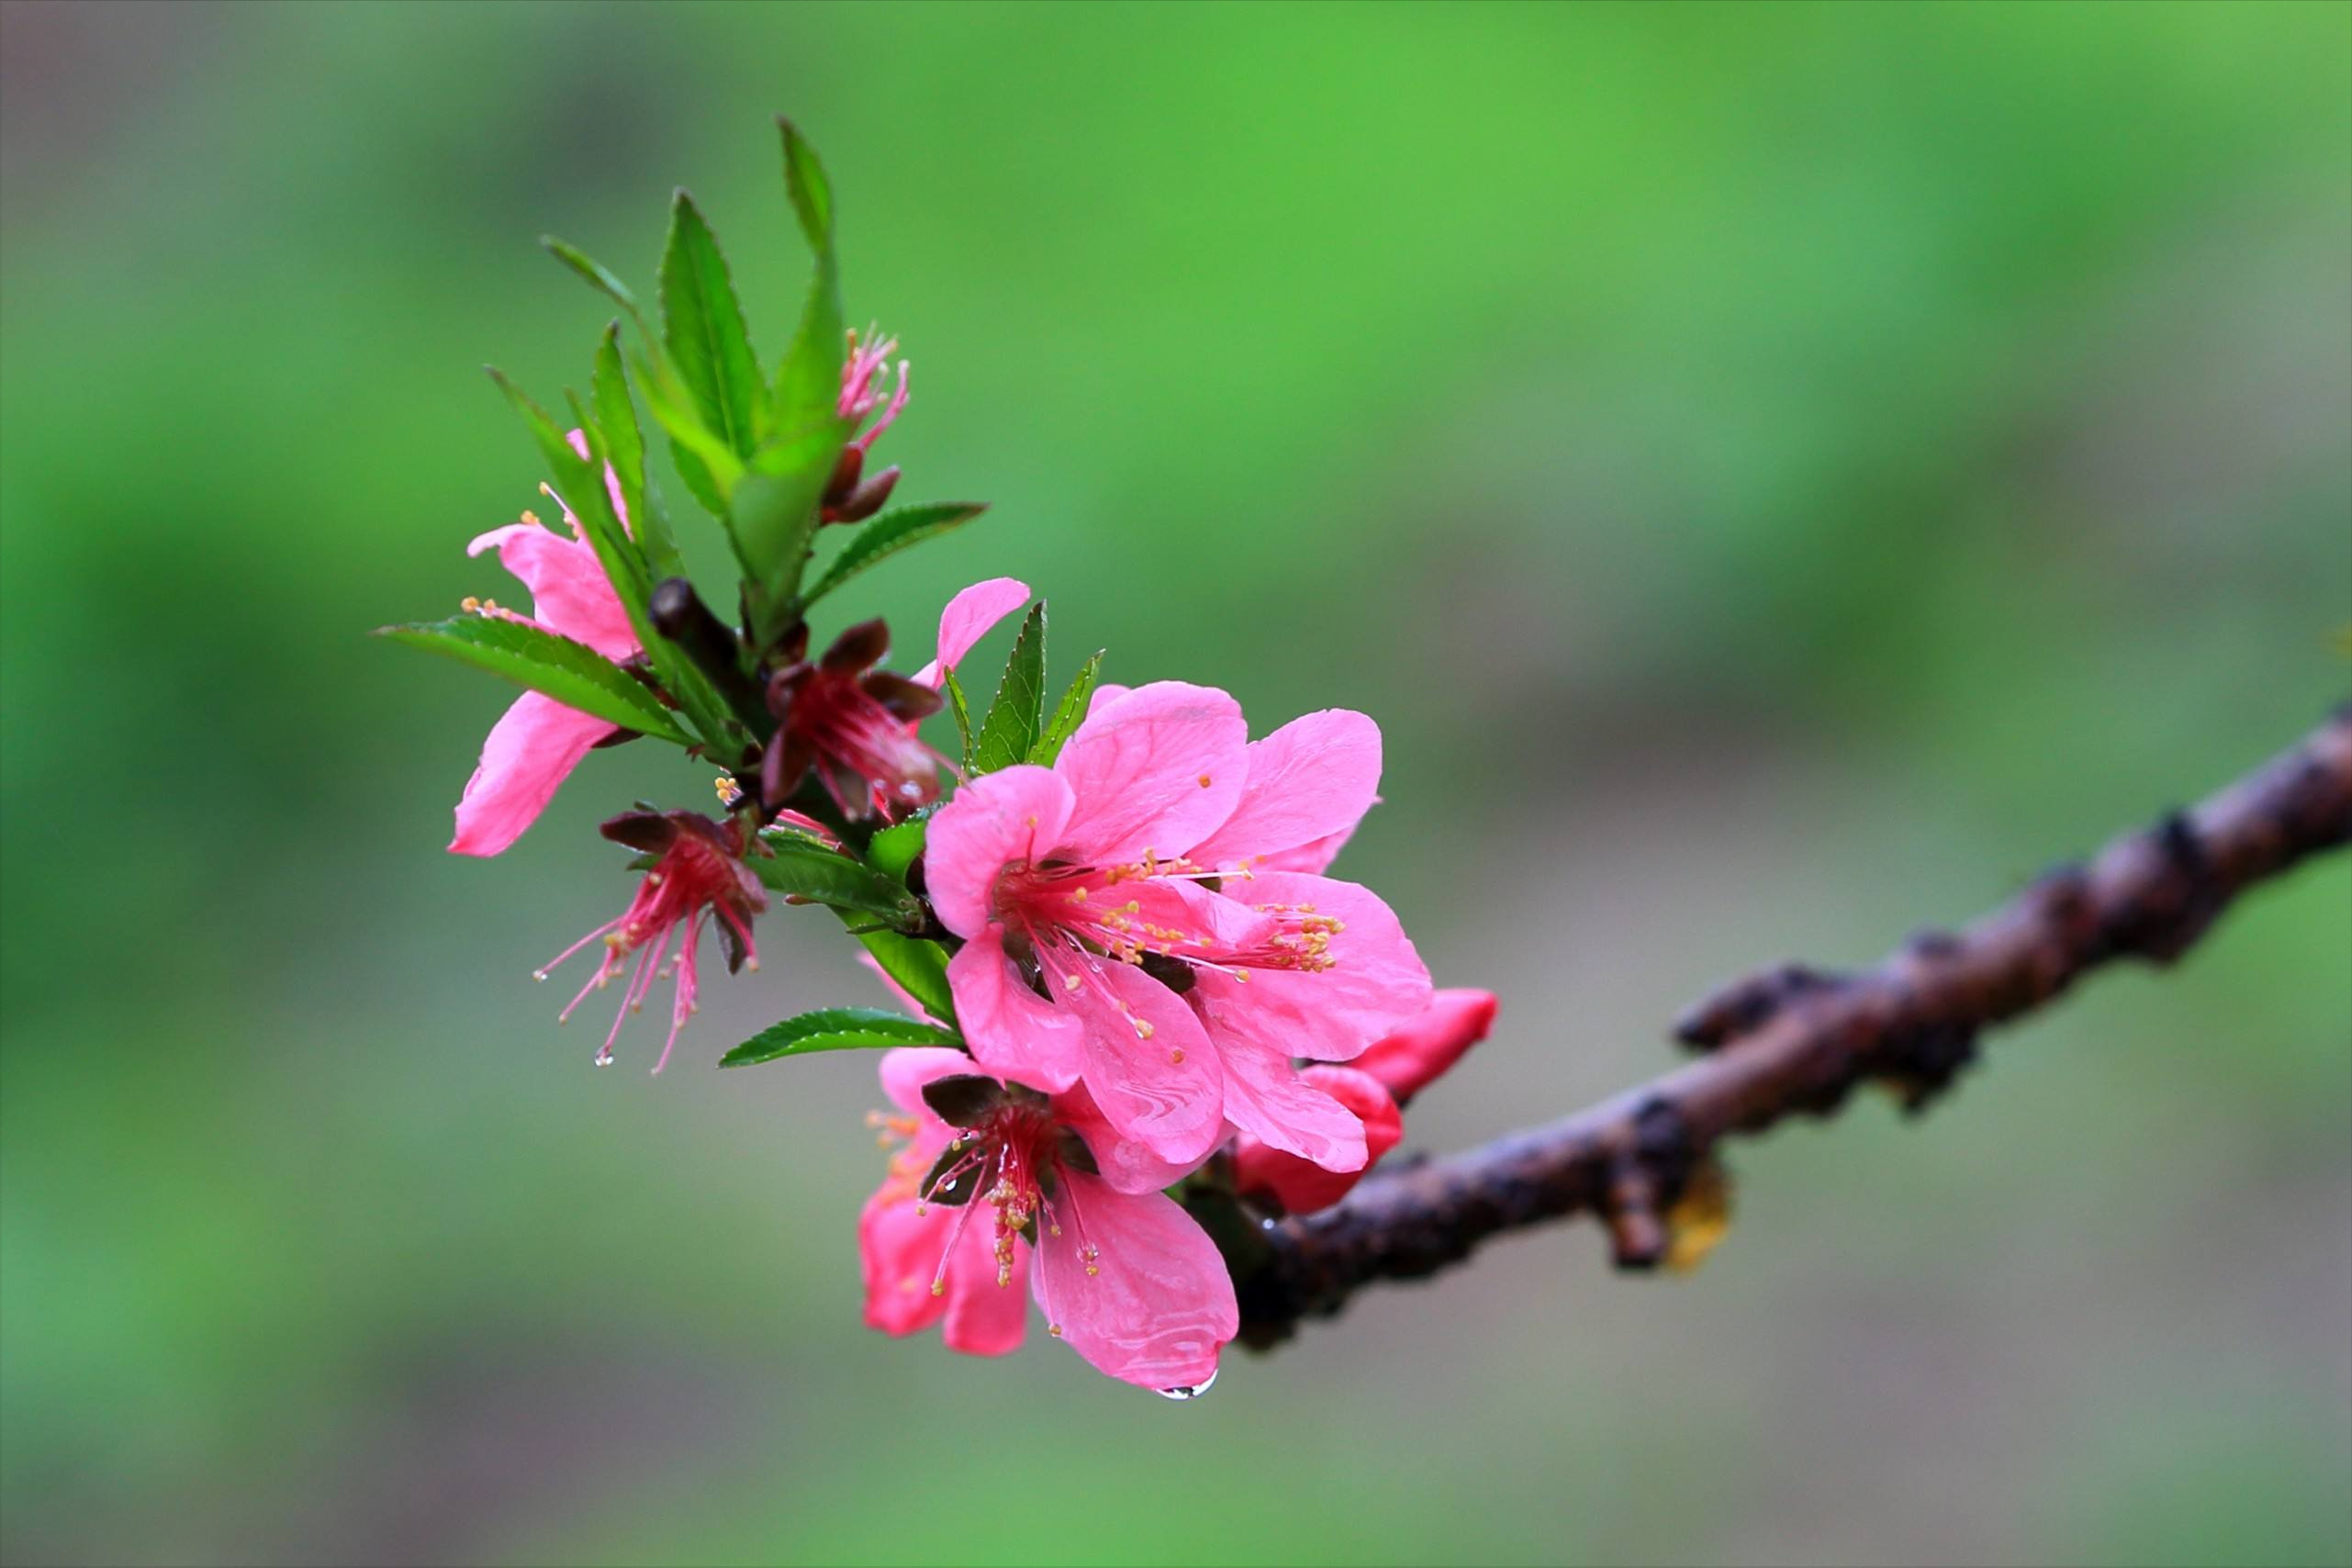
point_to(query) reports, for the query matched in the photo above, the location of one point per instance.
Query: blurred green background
(1780, 476)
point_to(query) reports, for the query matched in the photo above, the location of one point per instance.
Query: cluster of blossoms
(1130, 992)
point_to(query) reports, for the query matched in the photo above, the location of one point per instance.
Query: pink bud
(1414, 1056)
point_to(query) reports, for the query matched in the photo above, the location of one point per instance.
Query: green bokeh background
(1779, 475)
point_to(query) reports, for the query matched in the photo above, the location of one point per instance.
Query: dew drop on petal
(1192, 1392)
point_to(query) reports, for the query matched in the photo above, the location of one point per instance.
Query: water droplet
(604, 1058)
(1194, 1391)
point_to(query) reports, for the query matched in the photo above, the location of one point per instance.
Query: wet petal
(899, 1251)
(1014, 1032)
(1281, 1108)
(906, 1069)
(1158, 1304)
(985, 1318)
(1163, 1089)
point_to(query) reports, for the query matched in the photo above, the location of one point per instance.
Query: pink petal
(905, 1070)
(1274, 1103)
(611, 485)
(569, 593)
(1164, 1090)
(1126, 1164)
(1376, 980)
(967, 618)
(1159, 1304)
(1312, 856)
(1157, 770)
(984, 1318)
(1423, 1046)
(899, 1251)
(1016, 813)
(1303, 1187)
(1107, 691)
(1014, 1032)
(528, 754)
(1314, 777)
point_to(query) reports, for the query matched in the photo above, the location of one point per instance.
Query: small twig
(1794, 1039)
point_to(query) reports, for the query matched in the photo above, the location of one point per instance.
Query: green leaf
(799, 868)
(920, 967)
(579, 483)
(805, 182)
(1068, 714)
(572, 673)
(887, 535)
(703, 328)
(1014, 717)
(625, 448)
(600, 277)
(893, 849)
(959, 708)
(836, 1029)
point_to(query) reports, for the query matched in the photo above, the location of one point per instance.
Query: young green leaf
(893, 849)
(600, 277)
(625, 448)
(919, 967)
(704, 327)
(802, 870)
(887, 535)
(960, 709)
(1068, 713)
(1017, 715)
(808, 382)
(836, 1029)
(572, 673)
(579, 484)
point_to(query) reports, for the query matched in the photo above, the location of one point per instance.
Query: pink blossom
(1421, 1049)
(967, 619)
(864, 371)
(1010, 1187)
(1301, 1186)
(1122, 930)
(853, 725)
(1376, 1086)
(699, 873)
(534, 749)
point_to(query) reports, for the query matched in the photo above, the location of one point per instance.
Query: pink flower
(699, 872)
(864, 373)
(1301, 1186)
(1125, 926)
(1376, 1086)
(532, 750)
(967, 618)
(1423, 1048)
(855, 725)
(996, 1182)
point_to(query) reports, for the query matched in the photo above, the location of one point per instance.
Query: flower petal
(1274, 1103)
(1163, 1089)
(967, 619)
(984, 1318)
(1301, 1187)
(898, 1252)
(1157, 770)
(905, 1070)
(1158, 1304)
(570, 592)
(1014, 1032)
(527, 754)
(1376, 980)
(1105, 692)
(1314, 777)
(1016, 814)
(1423, 1048)
(1126, 1164)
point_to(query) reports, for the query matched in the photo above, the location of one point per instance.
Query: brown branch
(1794, 1039)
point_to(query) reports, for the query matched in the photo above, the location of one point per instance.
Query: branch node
(1748, 1004)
